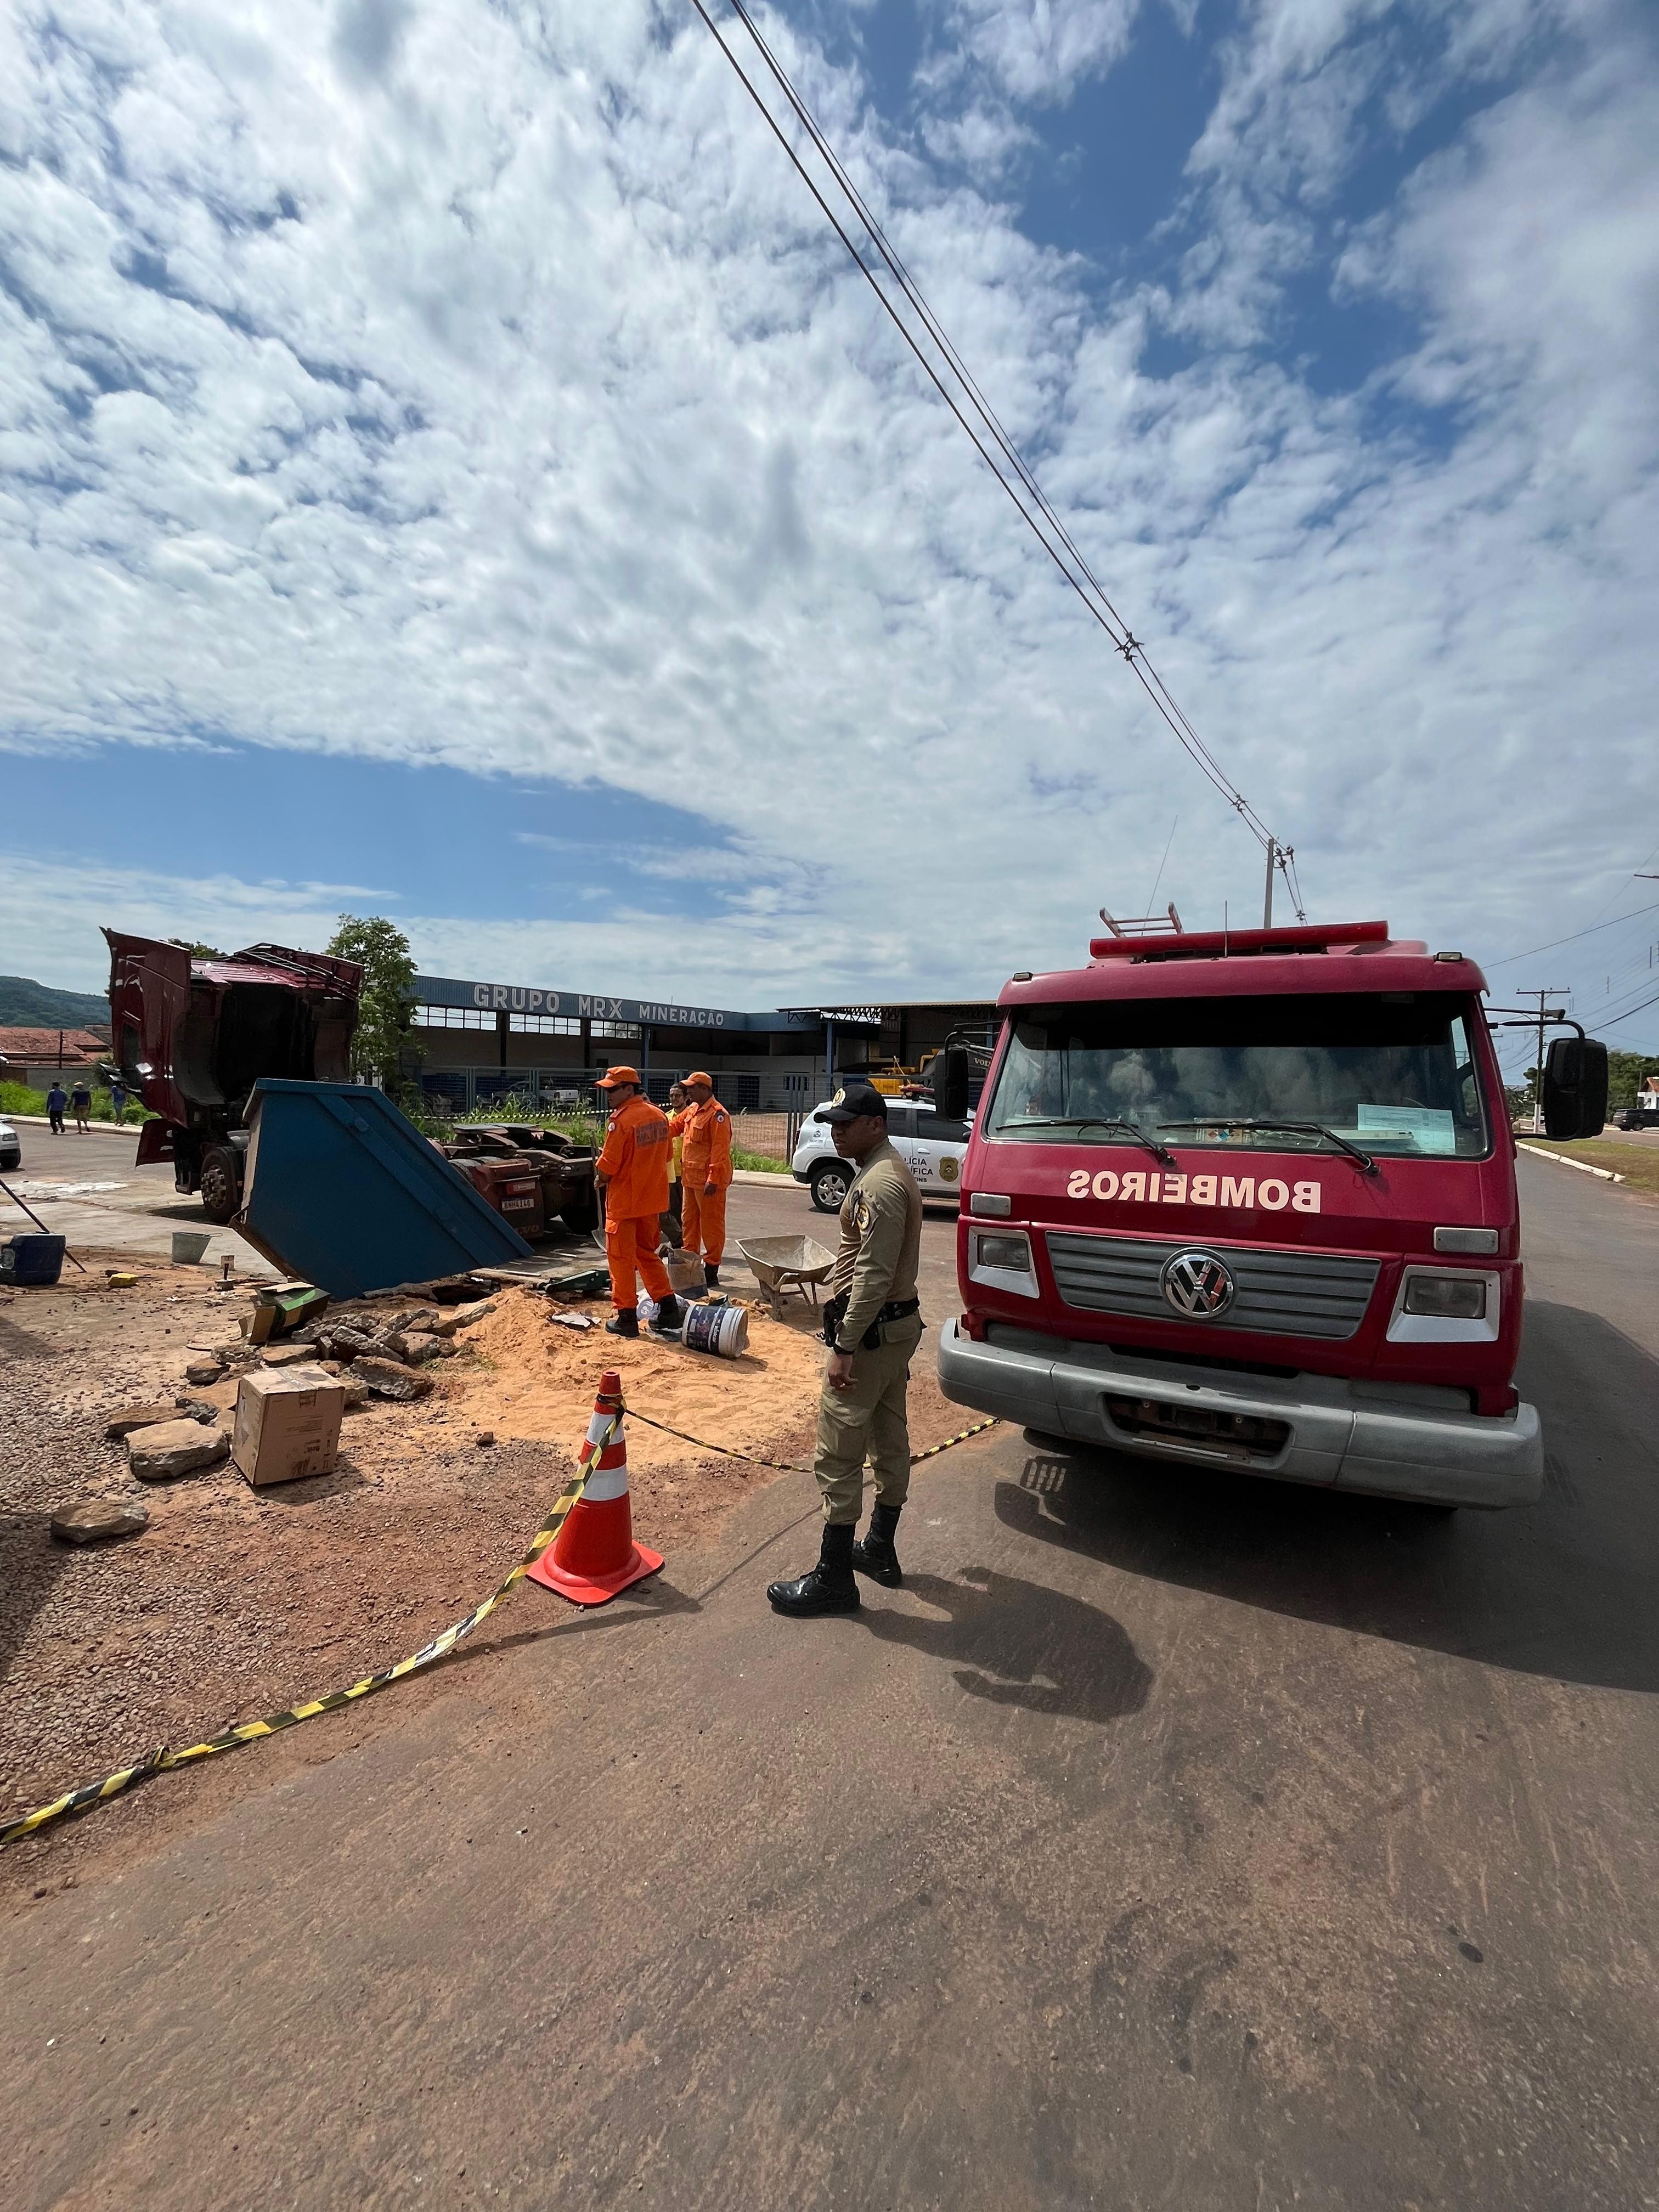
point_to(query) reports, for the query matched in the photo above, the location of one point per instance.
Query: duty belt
(899, 1310)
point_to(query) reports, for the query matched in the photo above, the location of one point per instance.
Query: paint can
(722, 1329)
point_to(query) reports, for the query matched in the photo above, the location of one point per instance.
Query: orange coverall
(634, 1164)
(706, 1158)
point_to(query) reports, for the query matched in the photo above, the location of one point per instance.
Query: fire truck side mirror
(1575, 1088)
(951, 1083)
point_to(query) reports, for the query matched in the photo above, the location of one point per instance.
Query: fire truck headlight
(1447, 1297)
(1002, 1258)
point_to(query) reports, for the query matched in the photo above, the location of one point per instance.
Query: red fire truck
(1247, 1199)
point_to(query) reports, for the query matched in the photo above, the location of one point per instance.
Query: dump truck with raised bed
(1247, 1199)
(193, 1034)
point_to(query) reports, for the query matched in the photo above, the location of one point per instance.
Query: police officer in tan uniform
(873, 1325)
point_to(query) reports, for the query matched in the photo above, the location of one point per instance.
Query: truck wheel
(830, 1186)
(581, 1213)
(221, 1184)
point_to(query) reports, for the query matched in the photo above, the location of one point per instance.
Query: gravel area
(235, 1602)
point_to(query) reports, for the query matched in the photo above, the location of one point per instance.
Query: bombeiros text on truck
(1247, 1199)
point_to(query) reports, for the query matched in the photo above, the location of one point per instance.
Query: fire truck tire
(221, 1184)
(829, 1185)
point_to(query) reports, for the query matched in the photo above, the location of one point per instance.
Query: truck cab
(1247, 1199)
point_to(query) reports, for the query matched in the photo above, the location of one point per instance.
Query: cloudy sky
(449, 469)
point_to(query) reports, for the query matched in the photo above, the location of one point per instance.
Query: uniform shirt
(706, 1154)
(635, 1161)
(880, 1243)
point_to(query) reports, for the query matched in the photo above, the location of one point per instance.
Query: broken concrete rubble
(389, 1378)
(136, 1417)
(174, 1448)
(91, 1520)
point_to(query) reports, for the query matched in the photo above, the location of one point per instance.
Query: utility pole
(1268, 902)
(1553, 991)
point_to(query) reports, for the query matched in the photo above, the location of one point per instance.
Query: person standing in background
(706, 1168)
(632, 1173)
(80, 1103)
(677, 1104)
(57, 1099)
(117, 1101)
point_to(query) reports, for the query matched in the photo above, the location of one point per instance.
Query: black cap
(852, 1100)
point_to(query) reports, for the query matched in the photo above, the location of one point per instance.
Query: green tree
(382, 952)
(1625, 1073)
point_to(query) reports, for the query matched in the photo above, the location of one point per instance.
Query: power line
(1022, 487)
(1612, 923)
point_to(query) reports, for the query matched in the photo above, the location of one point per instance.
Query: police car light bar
(1228, 943)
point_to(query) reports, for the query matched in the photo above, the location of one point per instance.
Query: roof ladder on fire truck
(1144, 925)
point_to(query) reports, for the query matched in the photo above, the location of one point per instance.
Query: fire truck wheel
(221, 1184)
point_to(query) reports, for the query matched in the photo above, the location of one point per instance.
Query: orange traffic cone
(594, 1555)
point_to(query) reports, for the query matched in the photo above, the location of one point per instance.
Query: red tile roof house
(37, 1056)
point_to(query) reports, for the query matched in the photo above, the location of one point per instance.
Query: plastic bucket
(723, 1330)
(188, 1245)
(37, 1260)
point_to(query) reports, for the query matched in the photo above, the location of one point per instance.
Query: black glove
(833, 1310)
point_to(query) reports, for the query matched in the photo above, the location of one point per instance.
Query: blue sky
(447, 469)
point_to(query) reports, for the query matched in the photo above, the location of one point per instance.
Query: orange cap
(698, 1076)
(613, 1076)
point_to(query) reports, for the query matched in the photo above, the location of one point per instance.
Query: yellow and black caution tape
(788, 1466)
(162, 1760)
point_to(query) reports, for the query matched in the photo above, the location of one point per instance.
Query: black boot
(627, 1323)
(829, 1586)
(671, 1317)
(873, 1555)
(711, 1277)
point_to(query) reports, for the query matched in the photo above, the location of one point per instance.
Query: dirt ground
(236, 1602)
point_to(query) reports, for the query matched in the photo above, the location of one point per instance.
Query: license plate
(516, 1205)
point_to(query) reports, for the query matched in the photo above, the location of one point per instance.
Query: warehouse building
(474, 1042)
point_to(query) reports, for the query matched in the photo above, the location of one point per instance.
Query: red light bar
(1222, 944)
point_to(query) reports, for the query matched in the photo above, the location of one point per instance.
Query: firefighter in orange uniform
(632, 1171)
(706, 1170)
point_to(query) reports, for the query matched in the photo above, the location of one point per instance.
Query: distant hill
(24, 1002)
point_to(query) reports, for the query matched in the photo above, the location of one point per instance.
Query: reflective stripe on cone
(595, 1555)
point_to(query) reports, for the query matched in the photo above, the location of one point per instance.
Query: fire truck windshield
(1393, 1074)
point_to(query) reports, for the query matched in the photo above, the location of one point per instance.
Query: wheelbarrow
(786, 1267)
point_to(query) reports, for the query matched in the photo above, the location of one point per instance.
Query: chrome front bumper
(1391, 1439)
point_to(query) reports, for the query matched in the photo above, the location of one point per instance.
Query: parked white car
(931, 1147)
(11, 1146)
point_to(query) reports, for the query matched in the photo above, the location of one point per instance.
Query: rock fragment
(202, 1372)
(174, 1448)
(136, 1417)
(389, 1378)
(93, 1519)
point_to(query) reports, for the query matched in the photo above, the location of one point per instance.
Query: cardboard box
(288, 1423)
(281, 1307)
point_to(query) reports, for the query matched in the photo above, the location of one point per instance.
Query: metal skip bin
(342, 1191)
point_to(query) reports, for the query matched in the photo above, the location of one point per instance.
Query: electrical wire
(1021, 485)
(1612, 923)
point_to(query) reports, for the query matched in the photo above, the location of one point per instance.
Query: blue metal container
(342, 1191)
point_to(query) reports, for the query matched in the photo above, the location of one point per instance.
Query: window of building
(453, 1017)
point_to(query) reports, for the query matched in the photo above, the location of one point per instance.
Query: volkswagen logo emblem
(1198, 1285)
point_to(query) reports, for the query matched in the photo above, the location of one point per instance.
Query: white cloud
(437, 382)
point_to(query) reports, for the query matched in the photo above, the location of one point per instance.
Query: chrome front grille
(1322, 1294)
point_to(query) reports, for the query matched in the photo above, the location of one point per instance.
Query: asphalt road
(1170, 1841)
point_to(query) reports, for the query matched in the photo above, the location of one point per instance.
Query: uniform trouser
(869, 1418)
(630, 1246)
(702, 1223)
(676, 1206)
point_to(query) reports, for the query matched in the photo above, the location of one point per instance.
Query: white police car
(930, 1146)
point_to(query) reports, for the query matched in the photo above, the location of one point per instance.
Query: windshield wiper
(1129, 1128)
(1363, 1160)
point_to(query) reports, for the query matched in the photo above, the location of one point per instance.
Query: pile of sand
(536, 1380)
